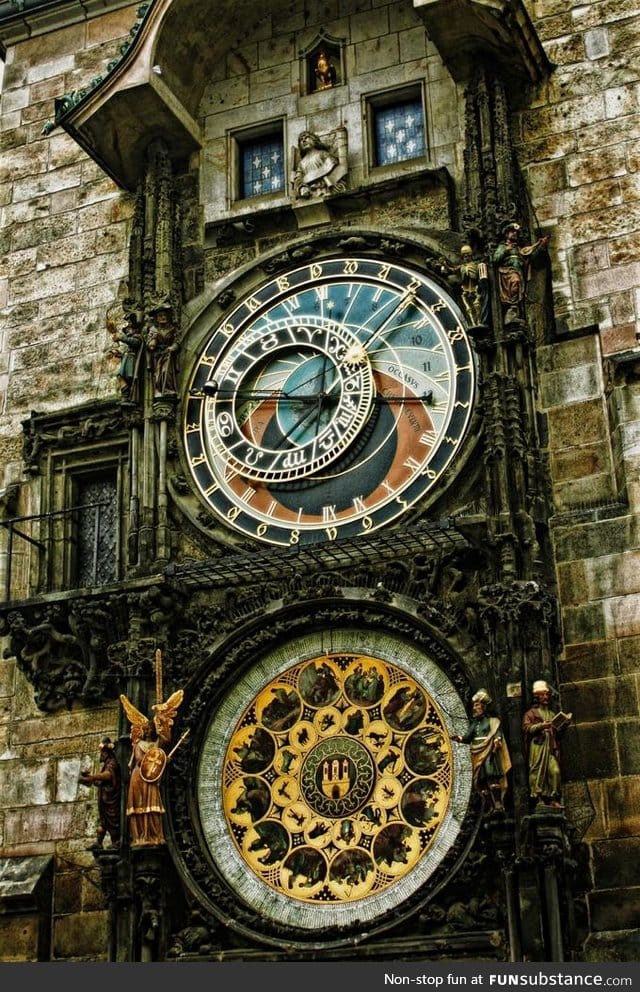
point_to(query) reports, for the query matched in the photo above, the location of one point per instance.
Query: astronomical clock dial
(329, 401)
(327, 786)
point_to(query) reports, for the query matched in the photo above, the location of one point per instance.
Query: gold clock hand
(402, 304)
(426, 398)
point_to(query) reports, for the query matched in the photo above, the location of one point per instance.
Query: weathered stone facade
(165, 121)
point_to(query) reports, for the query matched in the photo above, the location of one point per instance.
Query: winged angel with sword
(149, 758)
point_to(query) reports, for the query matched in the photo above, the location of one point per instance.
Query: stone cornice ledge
(22, 19)
(498, 33)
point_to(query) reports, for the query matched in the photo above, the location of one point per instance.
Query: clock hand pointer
(297, 397)
(212, 388)
(299, 422)
(322, 381)
(402, 304)
(426, 398)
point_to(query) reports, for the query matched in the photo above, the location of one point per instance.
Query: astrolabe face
(332, 780)
(329, 401)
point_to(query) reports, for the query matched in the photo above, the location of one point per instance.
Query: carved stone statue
(541, 729)
(162, 346)
(472, 278)
(513, 263)
(108, 781)
(149, 741)
(490, 759)
(320, 164)
(130, 361)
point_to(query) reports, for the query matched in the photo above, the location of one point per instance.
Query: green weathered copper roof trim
(69, 101)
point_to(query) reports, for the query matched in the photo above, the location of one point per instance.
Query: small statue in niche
(108, 782)
(320, 164)
(130, 361)
(490, 759)
(324, 71)
(149, 741)
(162, 346)
(513, 261)
(472, 276)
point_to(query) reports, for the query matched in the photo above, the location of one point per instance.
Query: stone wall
(58, 210)
(43, 811)
(579, 143)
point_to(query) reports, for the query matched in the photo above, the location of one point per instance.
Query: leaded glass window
(398, 130)
(261, 166)
(96, 530)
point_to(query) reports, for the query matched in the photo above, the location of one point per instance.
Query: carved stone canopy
(496, 32)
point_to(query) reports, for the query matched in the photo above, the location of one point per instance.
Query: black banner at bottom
(319, 976)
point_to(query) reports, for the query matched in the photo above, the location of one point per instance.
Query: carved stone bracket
(546, 837)
(61, 649)
(499, 33)
(517, 602)
(164, 410)
(83, 649)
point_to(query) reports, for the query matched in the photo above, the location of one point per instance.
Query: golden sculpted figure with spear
(149, 758)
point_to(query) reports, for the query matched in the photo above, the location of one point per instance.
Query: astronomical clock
(326, 795)
(328, 401)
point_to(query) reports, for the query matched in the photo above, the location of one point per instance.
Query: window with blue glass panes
(262, 161)
(399, 131)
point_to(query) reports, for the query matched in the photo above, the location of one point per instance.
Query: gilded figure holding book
(541, 728)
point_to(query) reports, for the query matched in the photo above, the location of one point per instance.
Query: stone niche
(26, 885)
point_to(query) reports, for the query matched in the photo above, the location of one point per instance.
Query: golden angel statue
(149, 759)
